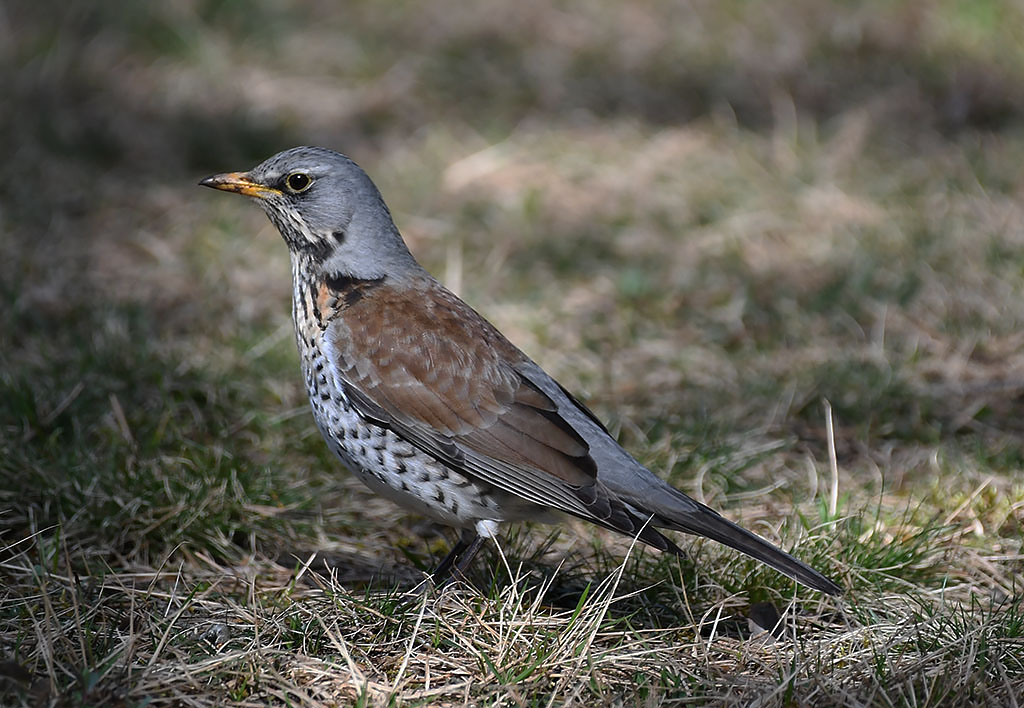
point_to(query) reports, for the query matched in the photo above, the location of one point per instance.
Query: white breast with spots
(386, 463)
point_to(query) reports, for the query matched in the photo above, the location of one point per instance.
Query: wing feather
(429, 367)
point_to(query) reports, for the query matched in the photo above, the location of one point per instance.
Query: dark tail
(685, 514)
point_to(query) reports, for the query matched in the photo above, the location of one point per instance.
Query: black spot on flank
(439, 497)
(325, 396)
(339, 236)
(405, 487)
(400, 467)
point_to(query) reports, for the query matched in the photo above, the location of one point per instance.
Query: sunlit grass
(724, 225)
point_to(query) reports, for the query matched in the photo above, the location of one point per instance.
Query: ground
(778, 247)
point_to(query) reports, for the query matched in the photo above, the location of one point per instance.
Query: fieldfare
(428, 403)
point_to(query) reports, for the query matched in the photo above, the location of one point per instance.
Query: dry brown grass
(708, 218)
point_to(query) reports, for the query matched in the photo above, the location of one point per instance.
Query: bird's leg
(459, 557)
(467, 555)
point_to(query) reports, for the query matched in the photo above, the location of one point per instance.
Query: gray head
(326, 208)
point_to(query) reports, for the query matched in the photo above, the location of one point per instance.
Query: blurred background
(705, 217)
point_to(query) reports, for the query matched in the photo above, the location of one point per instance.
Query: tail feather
(646, 494)
(692, 517)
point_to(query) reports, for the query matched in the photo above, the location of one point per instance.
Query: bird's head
(326, 208)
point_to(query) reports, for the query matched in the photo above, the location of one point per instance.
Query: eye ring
(298, 182)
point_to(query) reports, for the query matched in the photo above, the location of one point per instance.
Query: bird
(429, 405)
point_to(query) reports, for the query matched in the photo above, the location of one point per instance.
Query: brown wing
(428, 360)
(420, 360)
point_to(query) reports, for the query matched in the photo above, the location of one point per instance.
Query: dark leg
(467, 555)
(459, 557)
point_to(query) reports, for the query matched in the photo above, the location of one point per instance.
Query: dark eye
(297, 182)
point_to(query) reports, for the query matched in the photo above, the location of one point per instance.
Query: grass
(715, 222)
